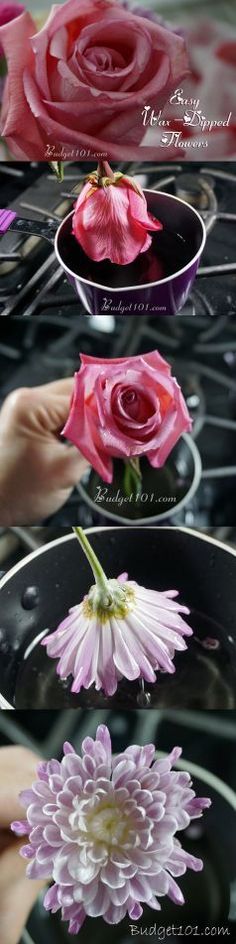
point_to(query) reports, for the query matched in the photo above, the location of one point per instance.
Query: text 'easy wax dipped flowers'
(119, 630)
(103, 829)
(111, 219)
(83, 79)
(126, 407)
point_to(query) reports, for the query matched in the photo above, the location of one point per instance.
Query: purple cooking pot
(158, 282)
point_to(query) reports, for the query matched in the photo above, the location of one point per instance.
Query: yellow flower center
(105, 823)
(119, 602)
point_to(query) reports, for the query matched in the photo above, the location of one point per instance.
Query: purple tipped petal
(67, 748)
(136, 911)
(51, 899)
(27, 852)
(20, 827)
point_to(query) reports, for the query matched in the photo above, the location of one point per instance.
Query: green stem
(132, 477)
(98, 573)
(58, 169)
(104, 169)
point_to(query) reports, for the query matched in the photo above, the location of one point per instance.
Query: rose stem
(98, 573)
(104, 169)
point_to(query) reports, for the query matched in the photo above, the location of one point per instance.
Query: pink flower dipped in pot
(129, 251)
(103, 828)
(127, 415)
(123, 250)
(111, 220)
(119, 630)
(83, 79)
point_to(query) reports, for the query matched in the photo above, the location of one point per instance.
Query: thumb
(18, 769)
(17, 895)
(36, 412)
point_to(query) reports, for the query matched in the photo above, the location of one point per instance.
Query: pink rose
(83, 80)
(111, 221)
(126, 407)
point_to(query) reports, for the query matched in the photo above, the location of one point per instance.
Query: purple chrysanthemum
(104, 829)
(134, 641)
(120, 630)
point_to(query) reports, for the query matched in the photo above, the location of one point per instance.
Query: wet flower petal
(112, 221)
(132, 645)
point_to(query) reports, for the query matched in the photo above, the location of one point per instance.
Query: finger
(33, 413)
(63, 386)
(18, 769)
(33, 408)
(66, 466)
(16, 908)
(17, 895)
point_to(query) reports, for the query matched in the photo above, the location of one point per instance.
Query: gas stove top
(202, 353)
(32, 282)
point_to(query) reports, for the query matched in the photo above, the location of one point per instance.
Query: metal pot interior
(38, 593)
(165, 492)
(178, 219)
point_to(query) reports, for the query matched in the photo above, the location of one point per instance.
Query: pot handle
(45, 229)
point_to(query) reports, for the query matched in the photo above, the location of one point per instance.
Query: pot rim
(174, 509)
(147, 285)
(4, 704)
(94, 529)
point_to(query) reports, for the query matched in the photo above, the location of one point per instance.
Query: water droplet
(15, 644)
(210, 643)
(5, 647)
(30, 598)
(143, 699)
(194, 831)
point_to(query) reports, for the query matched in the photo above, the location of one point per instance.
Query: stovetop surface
(32, 282)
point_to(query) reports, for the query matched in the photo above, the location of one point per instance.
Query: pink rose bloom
(83, 80)
(125, 407)
(112, 221)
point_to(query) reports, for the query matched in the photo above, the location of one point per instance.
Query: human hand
(17, 894)
(37, 469)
